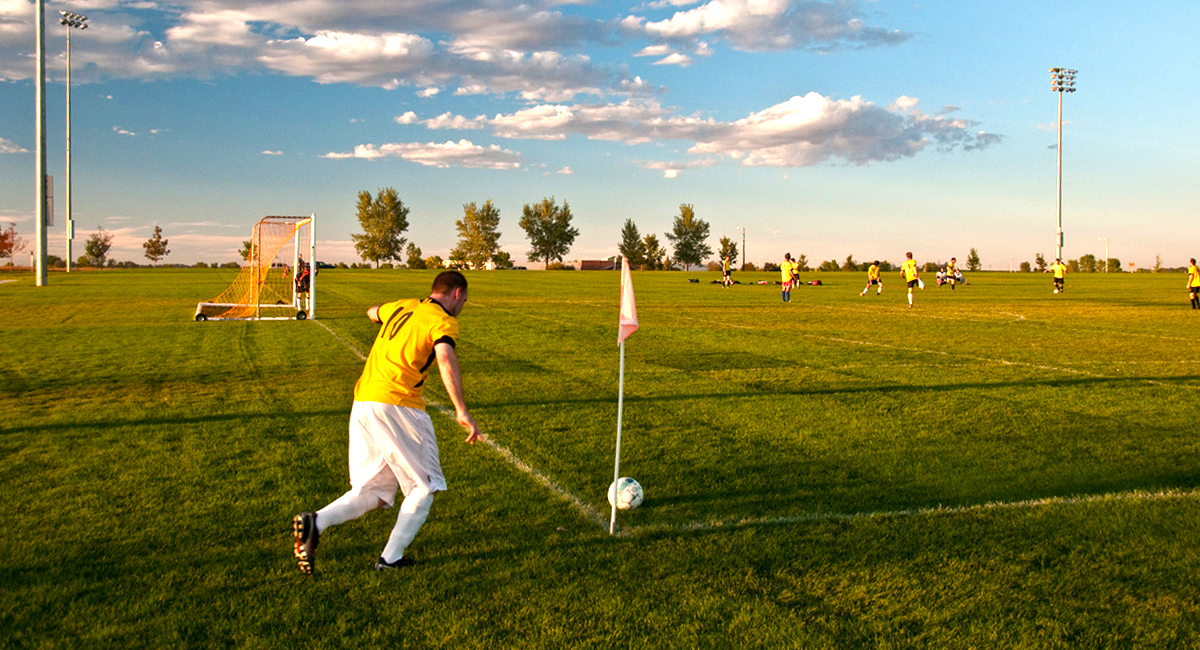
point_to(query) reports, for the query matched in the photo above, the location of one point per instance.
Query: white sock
(348, 506)
(413, 512)
(910, 297)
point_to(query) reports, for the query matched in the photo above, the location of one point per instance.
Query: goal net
(276, 282)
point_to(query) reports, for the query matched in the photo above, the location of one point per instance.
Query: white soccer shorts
(392, 447)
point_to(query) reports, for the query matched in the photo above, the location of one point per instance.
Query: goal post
(276, 282)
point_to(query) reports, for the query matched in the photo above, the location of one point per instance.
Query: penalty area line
(588, 511)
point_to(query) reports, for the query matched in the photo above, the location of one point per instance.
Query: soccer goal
(276, 282)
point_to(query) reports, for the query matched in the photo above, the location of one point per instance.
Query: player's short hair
(448, 281)
(908, 255)
(876, 262)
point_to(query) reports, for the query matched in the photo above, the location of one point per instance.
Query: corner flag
(628, 324)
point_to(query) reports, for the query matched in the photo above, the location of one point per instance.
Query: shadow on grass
(767, 389)
(198, 420)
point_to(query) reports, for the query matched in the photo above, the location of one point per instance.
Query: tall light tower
(72, 21)
(743, 267)
(1062, 80)
(1105, 252)
(39, 261)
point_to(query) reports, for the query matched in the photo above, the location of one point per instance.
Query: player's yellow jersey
(785, 270)
(873, 272)
(909, 269)
(950, 268)
(403, 352)
(1059, 270)
(1193, 276)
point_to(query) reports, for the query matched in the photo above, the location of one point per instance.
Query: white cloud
(463, 153)
(408, 117)
(448, 121)
(268, 152)
(117, 129)
(565, 171)
(10, 147)
(768, 25)
(678, 59)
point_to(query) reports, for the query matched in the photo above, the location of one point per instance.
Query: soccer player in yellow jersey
(392, 443)
(726, 278)
(873, 279)
(952, 271)
(1059, 270)
(1193, 283)
(787, 273)
(908, 271)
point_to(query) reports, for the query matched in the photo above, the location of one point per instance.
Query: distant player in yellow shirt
(1059, 270)
(908, 271)
(873, 279)
(392, 444)
(787, 273)
(952, 272)
(1193, 283)
(726, 278)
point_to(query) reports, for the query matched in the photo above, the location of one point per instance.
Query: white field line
(595, 516)
(6, 281)
(1135, 495)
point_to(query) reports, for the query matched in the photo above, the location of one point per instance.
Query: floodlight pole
(1062, 80)
(72, 21)
(40, 162)
(1105, 252)
(743, 247)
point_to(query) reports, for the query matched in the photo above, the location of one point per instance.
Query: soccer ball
(626, 493)
(1056, 291)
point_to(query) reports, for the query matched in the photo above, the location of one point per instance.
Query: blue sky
(824, 128)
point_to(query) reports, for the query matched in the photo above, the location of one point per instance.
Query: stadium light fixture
(71, 21)
(1062, 80)
(1105, 252)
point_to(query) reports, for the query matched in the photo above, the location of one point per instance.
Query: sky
(822, 128)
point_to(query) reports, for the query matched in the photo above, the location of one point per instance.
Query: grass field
(997, 467)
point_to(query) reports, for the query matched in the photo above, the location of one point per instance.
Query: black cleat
(304, 527)
(383, 565)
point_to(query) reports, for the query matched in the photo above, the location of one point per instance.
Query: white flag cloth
(628, 324)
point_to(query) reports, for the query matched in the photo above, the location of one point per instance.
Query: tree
(688, 236)
(973, 263)
(728, 249)
(1158, 263)
(801, 263)
(478, 234)
(413, 254)
(245, 251)
(850, 264)
(10, 243)
(830, 265)
(1087, 263)
(1025, 267)
(1039, 262)
(632, 245)
(549, 230)
(383, 219)
(655, 254)
(502, 260)
(97, 247)
(1114, 265)
(434, 262)
(156, 246)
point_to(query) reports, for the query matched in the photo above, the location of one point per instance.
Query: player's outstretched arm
(452, 380)
(373, 314)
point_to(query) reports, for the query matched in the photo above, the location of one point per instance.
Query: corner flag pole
(627, 325)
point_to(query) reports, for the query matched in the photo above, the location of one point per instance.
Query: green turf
(817, 473)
